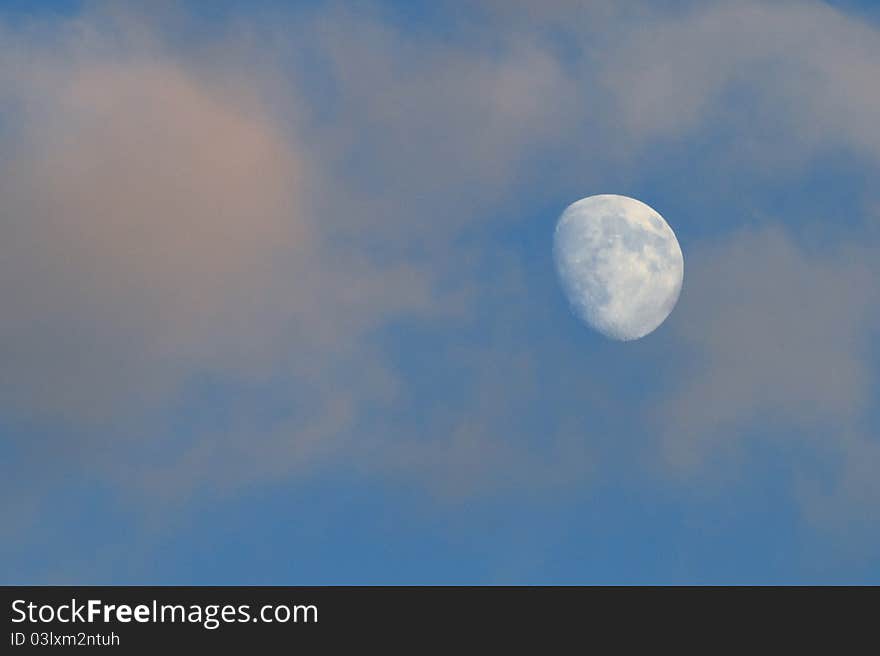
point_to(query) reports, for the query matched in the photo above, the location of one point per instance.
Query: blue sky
(280, 306)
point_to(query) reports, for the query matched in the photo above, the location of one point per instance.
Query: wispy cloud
(262, 210)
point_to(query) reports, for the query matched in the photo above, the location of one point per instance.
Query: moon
(619, 264)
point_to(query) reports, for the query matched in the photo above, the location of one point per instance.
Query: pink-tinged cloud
(148, 214)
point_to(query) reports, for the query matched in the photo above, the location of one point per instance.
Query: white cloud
(776, 345)
(256, 207)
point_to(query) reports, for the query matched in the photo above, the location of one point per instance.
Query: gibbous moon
(619, 263)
